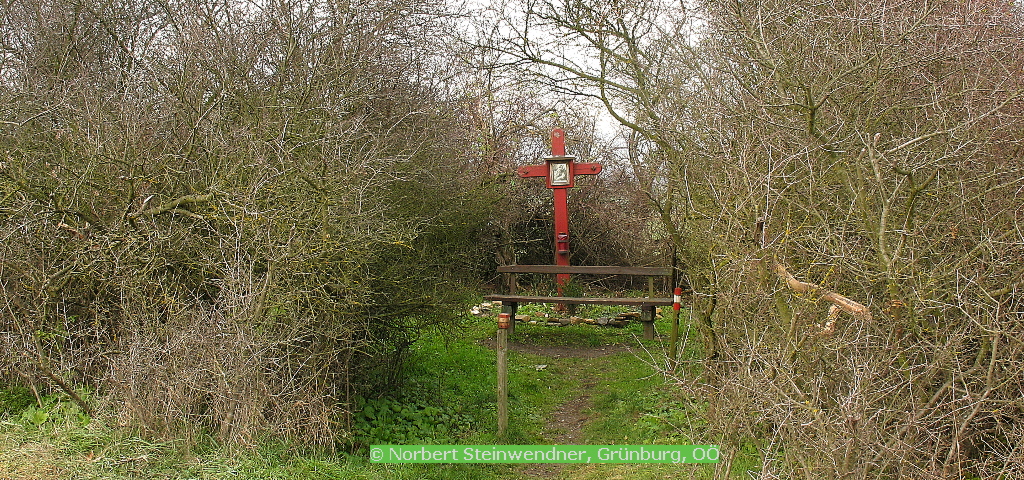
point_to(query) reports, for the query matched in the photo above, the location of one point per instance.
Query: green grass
(451, 384)
(637, 408)
(15, 399)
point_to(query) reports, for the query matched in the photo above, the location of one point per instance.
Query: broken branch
(174, 205)
(849, 306)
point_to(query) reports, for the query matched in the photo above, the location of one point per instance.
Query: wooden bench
(648, 305)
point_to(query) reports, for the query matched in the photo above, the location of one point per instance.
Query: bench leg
(510, 308)
(647, 316)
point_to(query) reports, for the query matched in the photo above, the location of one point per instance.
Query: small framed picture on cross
(558, 173)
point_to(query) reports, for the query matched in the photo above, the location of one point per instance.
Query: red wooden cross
(561, 171)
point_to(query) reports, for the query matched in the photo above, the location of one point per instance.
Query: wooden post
(502, 381)
(510, 280)
(502, 351)
(512, 307)
(673, 350)
(648, 314)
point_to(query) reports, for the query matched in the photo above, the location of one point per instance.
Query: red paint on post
(558, 142)
(561, 234)
(561, 211)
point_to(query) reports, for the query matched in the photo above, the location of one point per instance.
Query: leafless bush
(842, 182)
(225, 216)
(887, 171)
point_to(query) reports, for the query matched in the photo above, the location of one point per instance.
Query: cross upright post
(560, 171)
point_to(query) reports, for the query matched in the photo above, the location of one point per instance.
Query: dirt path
(565, 425)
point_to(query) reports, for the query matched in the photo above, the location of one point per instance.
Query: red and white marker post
(677, 300)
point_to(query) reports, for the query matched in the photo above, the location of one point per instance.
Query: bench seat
(648, 305)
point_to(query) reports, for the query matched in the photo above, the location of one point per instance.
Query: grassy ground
(579, 384)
